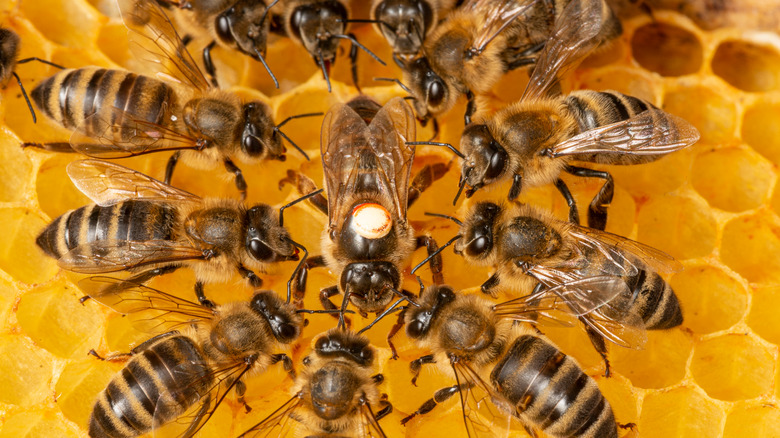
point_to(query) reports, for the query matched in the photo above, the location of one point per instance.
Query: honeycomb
(713, 206)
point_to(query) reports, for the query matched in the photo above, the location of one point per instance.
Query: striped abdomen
(155, 387)
(550, 392)
(654, 300)
(128, 220)
(72, 95)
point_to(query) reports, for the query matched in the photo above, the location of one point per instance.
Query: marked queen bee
(141, 225)
(117, 114)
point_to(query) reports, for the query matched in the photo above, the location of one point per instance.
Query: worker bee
(533, 140)
(171, 373)
(530, 248)
(119, 114)
(406, 23)
(483, 39)
(9, 54)
(142, 225)
(528, 376)
(367, 160)
(335, 393)
(319, 26)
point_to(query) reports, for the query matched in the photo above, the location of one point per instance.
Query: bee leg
(526, 57)
(139, 348)
(424, 178)
(303, 277)
(240, 181)
(597, 212)
(490, 283)
(327, 304)
(170, 166)
(415, 366)
(353, 56)
(119, 357)
(254, 280)
(305, 185)
(208, 64)
(240, 388)
(574, 215)
(61, 147)
(42, 61)
(471, 107)
(394, 330)
(205, 302)
(385, 411)
(439, 396)
(517, 186)
(601, 347)
(137, 279)
(436, 263)
(287, 363)
(378, 379)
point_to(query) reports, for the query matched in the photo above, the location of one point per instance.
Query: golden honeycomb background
(714, 206)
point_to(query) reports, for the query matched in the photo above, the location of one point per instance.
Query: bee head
(419, 319)
(284, 323)
(404, 24)
(477, 231)
(346, 345)
(243, 27)
(266, 240)
(318, 26)
(370, 284)
(431, 93)
(259, 139)
(485, 159)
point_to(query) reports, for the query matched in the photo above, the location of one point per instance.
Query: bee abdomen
(655, 302)
(156, 386)
(129, 220)
(550, 391)
(72, 95)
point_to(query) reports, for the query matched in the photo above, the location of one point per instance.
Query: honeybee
(483, 39)
(529, 246)
(367, 160)
(171, 373)
(142, 225)
(528, 376)
(533, 140)
(119, 114)
(406, 23)
(335, 393)
(319, 26)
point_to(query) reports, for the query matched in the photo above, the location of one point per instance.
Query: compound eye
(288, 331)
(259, 250)
(321, 343)
(435, 92)
(366, 354)
(252, 145)
(478, 246)
(296, 20)
(415, 329)
(497, 161)
(222, 27)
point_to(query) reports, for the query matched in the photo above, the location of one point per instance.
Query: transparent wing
(108, 183)
(111, 255)
(621, 327)
(276, 423)
(481, 416)
(498, 15)
(155, 40)
(651, 132)
(369, 425)
(573, 38)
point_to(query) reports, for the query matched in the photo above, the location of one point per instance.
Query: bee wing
(650, 132)
(369, 425)
(619, 326)
(573, 38)
(389, 131)
(108, 183)
(481, 416)
(498, 15)
(154, 34)
(276, 423)
(111, 255)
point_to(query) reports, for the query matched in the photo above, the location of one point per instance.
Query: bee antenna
(299, 116)
(436, 143)
(389, 310)
(321, 62)
(461, 185)
(454, 219)
(277, 128)
(435, 253)
(265, 14)
(397, 82)
(267, 68)
(341, 325)
(24, 93)
(364, 48)
(297, 268)
(284, 136)
(290, 204)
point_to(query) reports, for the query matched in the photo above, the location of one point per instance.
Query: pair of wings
(347, 143)
(107, 184)
(280, 422)
(117, 133)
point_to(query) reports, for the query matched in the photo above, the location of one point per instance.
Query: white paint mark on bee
(371, 221)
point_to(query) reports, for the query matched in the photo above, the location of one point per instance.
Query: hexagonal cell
(80, 383)
(16, 168)
(55, 194)
(760, 420)
(732, 367)
(751, 246)
(761, 131)
(56, 321)
(660, 364)
(732, 179)
(25, 371)
(667, 49)
(35, 424)
(683, 227)
(711, 299)
(747, 66)
(763, 313)
(714, 115)
(619, 393)
(679, 413)
(656, 178)
(73, 33)
(19, 255)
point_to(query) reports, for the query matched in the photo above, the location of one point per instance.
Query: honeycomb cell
(622, 79)
(763, 313)
(751, 246)
(19, 256)
(679, 413)
(682, 226)
(758, 421)
(15, 177)
(714, 115)
(80, 383)
(660, 364)
(8, 296)
(56, 196)
(35, 424)
(56, 321)
(51, 18)
(711, 299)
(732, 367)
(25, 372)
(761, 131)
(667, 49)
(619, 393)
(747, 66)
(732, 179)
